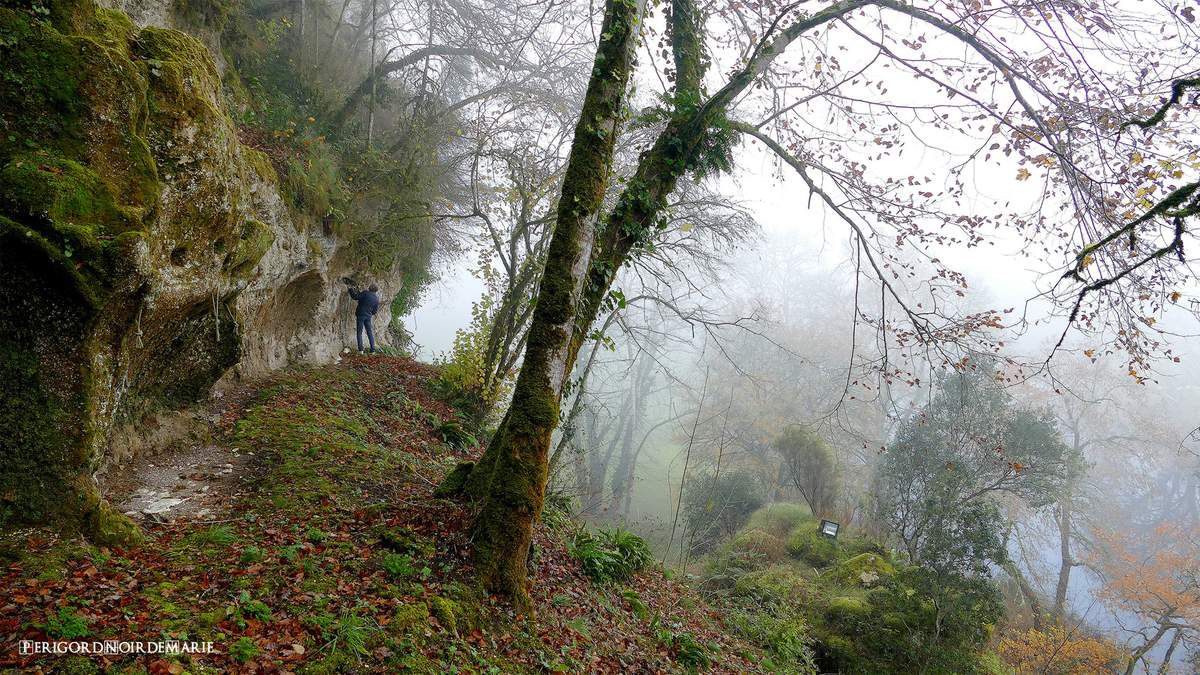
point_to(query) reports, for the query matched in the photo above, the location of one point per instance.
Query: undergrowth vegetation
(375, 196)
(610, 554)
(819, 604)
(338, 558)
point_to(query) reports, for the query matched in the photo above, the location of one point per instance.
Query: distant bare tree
(810, 467)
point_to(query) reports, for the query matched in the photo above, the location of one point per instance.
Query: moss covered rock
(145, 252)
(768, 547)
(409, 617)
(255, 238)
(105, 527)
(114, 195)
(780, 582)
(846, 608)
(446, 611)
(809, 545)
(864, 569)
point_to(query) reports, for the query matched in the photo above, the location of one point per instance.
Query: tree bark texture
(510, 479)
(583, 260)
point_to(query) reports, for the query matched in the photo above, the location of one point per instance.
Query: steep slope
(339, 558)
(146, 252)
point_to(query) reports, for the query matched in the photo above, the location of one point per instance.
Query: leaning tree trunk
(510, 479)
(1138, 654)
(1027, 592)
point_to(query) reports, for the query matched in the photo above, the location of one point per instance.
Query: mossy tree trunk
(511, 478)
(509, 481)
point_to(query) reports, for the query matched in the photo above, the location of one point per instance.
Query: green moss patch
(864, 569)
(62, 192)
(409, 617)
(779, 518)
(808, 544)
(254, 239)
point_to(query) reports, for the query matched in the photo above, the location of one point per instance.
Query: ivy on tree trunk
(509, 481)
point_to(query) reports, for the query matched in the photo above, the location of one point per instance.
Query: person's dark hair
(373, 288)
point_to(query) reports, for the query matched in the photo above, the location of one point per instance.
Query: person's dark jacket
(368, 302)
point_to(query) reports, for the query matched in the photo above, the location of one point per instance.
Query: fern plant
(687, 651)
(455, 435)
(610, 555)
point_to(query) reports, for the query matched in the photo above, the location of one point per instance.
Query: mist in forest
(684, 411)
(915, 371)
(680, 425)
(868, 326)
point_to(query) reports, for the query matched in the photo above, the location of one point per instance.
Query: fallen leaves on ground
(294, 576)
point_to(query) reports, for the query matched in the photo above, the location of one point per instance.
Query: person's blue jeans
(364, 322)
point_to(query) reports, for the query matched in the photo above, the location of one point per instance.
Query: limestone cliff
(146, 252)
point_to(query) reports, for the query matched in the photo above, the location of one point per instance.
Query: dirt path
(187, 480)
(327, 534)
(198, 483)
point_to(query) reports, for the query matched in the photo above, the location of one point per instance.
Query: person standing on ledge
(368, 305)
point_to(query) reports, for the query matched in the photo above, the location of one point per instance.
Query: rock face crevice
(145, 252)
